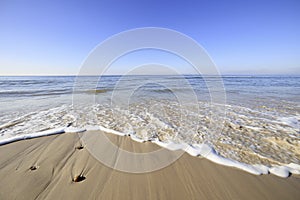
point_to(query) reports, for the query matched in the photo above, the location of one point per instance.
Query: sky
(241, 37)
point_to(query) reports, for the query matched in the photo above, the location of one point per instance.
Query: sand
(55, 161)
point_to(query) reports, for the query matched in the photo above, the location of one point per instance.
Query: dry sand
(57, 162)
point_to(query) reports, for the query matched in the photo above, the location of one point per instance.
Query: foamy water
(257, 129)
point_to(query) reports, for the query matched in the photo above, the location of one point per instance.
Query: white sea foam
(137, 139)
(281, 171)
(101, 128)
(74, 130)
(211, 155)
(170, 145)
(192, 151)
(291, 121)
(92, 128)
(293, 168)
(32, 135)
(262, 168)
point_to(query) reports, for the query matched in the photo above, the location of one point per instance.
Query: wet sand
(46, 168)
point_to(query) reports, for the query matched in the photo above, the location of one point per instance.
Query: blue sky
(242, 37)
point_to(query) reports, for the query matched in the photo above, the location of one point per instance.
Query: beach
(170, 140)
(48, 168)
(155, 100)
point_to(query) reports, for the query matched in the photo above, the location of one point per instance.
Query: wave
(35, 93)
(253, 137)
(18, 93)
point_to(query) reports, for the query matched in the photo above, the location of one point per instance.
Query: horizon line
(90, 75)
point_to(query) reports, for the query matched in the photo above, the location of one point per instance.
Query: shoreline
(45, 168)
(195, 150)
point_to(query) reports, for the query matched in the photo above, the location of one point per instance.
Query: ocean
(250, 119)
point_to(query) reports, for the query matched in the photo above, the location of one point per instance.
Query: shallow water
(258, 121)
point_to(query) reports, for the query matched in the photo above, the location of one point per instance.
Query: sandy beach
(47, 167)
(154, 100)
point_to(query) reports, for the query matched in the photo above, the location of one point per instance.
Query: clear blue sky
(242, 37)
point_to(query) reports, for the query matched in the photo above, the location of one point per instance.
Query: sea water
(249, 119)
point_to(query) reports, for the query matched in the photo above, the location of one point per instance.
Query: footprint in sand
(32, 168)
(79, 147)
(78, 178)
